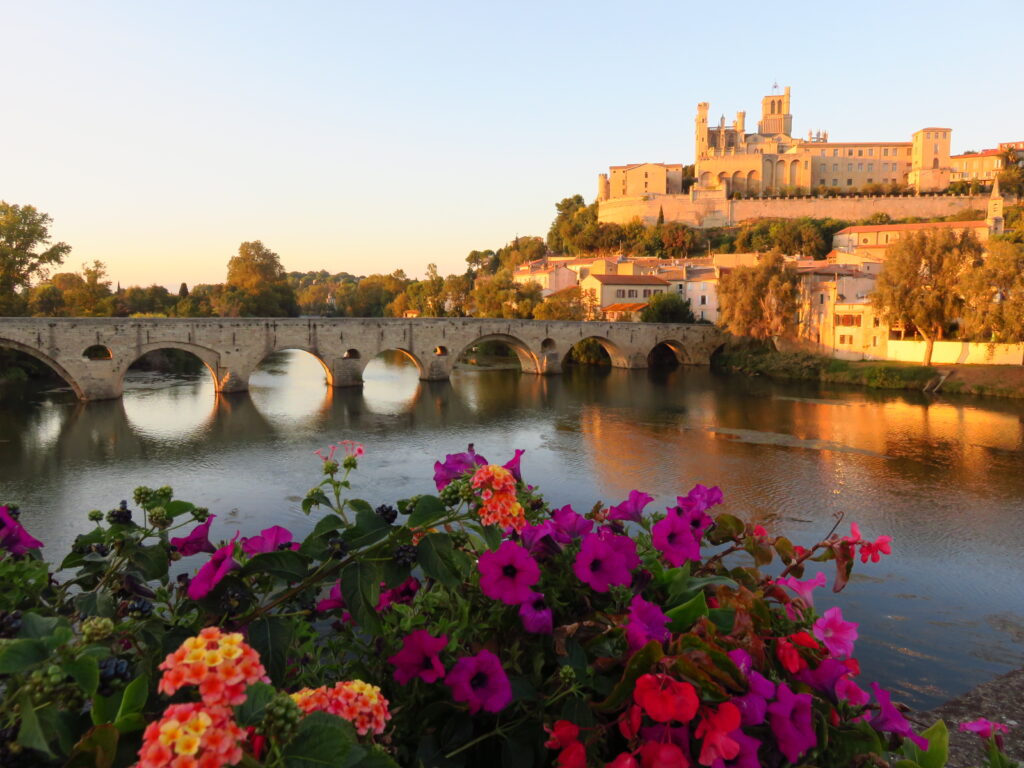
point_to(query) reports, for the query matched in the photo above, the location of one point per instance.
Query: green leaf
(258, 695)
(134, 699)
(18, 655)
(315, 497)
(179, 508)
(86, 672)
(428, 509)
(491, 536)
(323, 741)
(639, 663)
(96, 749)
(785, 549)
(682, 617)
(435, 555)
(35, 626)
(151, 561)
(271, 637)
(95, 604)
(31, 735)
(726, 528)
(938, 747)
(284, 564)
(104, 708)
(130, 723)
(360, 586)
(369, 528)
(377, 758)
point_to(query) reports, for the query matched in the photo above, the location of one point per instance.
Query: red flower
(789, 656)
(630, 721)
(665, 699)
(655, 755)
(804, 640)
(563, 733)
(573, 756)
(624, 760)
(715, 728)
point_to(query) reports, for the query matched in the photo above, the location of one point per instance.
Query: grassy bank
(983, 380)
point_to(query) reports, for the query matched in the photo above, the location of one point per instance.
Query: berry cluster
(406, 554)
(337, 548)
(387, 513)
(120, 516)
(114, 673)
(11, 753)
(10, 623)
(281, 719)
(52, 686)
(96, 629)
(139, 609)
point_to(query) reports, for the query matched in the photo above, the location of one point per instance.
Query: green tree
(183, 291)
(667, 308)
(566, 304)
(25, 253)
(564, 228)
(85, 294)
(993, 292)
(919, 285)
(256, 285)
(46, 300)
(759, 301)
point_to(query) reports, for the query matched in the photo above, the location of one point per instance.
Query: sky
(367, 137)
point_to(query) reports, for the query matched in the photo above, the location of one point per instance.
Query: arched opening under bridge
(595, 350)
(21, 363)
(667, 353)
(498, 351)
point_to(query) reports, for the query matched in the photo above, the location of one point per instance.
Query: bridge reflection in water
(942, 477)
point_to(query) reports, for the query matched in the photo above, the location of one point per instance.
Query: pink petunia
(646, 622)
(419, 657)
(675, 539)
(837, 635)
(602, 563)
(270, 540)
(197, 541)
(481, 682)
(632, 508)
(874, 550)
(213, 572)
(508, 573)
(986, 729)
(13, 536)
(804, 589)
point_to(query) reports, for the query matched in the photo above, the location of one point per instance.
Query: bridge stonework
(231, 348)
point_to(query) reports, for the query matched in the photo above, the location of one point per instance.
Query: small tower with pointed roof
(994, 218)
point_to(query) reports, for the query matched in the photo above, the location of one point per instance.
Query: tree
(84, 295)
(993, 292)
(919, 285)
(562, 231)
(758, 301)
(566, 304)
(667, 308)
(256, 285)
(24, 255)
(183, 291)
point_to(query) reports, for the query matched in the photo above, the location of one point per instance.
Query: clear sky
(365, 137)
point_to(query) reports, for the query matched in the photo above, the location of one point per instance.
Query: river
(943, 477)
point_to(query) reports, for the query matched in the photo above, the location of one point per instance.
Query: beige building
(983, 166)
(836, 316)
(604, 290)
(550, 277)
(641, 179)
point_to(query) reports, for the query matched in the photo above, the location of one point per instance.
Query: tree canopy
(667, 308)
(993, 295)
(759, 301)
(25, 253)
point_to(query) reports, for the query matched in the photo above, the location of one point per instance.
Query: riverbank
(982, 380)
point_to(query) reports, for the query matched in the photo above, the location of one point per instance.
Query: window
(871, 181)
(703, 300)
(849, 153)
(871, 167)
(849, 167)
(874, 341)
(860, 166)
(885, 151)
(821, 298)
(835, 153)
(860, 153)
(631, 293)
(871, 153)
(647, 293)
(620, 293)
(849, 182)
(835, 167)
(874, 323)
(822, 167)
(835, 182)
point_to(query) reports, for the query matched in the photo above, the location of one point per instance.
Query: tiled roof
(628, 279)
(624, 307)
(913, 227)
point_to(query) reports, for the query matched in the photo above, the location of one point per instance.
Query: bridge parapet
(232, 348)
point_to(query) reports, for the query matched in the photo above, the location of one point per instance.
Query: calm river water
(944, 478)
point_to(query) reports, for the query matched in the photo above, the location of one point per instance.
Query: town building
(551, 277)
(604, 290)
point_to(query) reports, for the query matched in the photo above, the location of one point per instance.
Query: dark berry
(10, 623)
(337, 547)
(406, 554)
(387, 513)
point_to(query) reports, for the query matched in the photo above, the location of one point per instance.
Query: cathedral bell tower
(775, 116)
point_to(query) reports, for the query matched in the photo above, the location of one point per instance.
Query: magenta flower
(836, 634)
(804, 589)
(623, 545)
(571, 523)
(508, 573)
(455, 466)
(197, 541)
(693, 516)
(741, 659)
(890, 719)
(419, 657)
(701, 498)
(512, 465)
(849, 691)
(753, 705)
(603, 563)
(790, 718)
(632, 508)
(747, 757)
(270, 540)
(986, 729)
(403, 594)
(481, 682)
(13, 536)
(675, 539)
(825, 676)
(334, 601)
(210, 575)
(646, 622)
(536, 615)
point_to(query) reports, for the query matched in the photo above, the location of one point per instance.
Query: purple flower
(632, 508)
(986, 729)
(623, 545)
(13, 536)
(508, 573)
(754, 704)
(790, 719)
(825, 676)
(512, 465)
(401, 595)
(543, 540)
(836, 634)
(601, 565)
(742, 660)
(536, 615)
(270, 540)
(747, 757)
(455, 466)
(890, 719)
(646, 623)
(332, 602)
(197, 541)
(675, 539)
(481, 682)
(570, 523)
(210, 575)
(849, 691)
(702, 498)
(419, 657)
(692, 516)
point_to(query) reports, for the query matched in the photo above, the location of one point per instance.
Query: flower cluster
(192, 736)
(869, 550)
(13, 536)
(499, 505)
(221, 665)
(360, 703)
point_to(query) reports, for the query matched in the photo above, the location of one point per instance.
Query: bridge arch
(59, 369)
(299, 348)
(677, 348)
(527, 358)
(617, 355)
(409, 354)
(208, 357)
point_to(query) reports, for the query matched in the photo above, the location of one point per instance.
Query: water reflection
(944, 478)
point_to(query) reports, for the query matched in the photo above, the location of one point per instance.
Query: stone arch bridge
(93, 354)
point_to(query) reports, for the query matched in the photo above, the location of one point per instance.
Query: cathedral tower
(775, 116)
